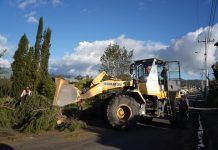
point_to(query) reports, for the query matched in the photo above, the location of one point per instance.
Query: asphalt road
(97, 136)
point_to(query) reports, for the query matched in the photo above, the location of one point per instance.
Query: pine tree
(38, 40)
(37, 50)
(46, 86)
(45, 52)
(19, 78)
(116, 61)
(30, 71)
(215, 70)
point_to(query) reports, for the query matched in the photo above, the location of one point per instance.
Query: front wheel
(122, 112)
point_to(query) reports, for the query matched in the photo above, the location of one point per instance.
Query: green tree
(38, 40)
(46, 85)
(37, 50)
(30, 70)
(215, 70)
(116, 61)
(19, 77)
(45, 52)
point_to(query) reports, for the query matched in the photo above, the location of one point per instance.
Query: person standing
(26, 92)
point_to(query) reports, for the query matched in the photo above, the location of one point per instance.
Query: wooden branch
(2, 106)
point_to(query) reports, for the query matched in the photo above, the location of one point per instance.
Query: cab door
(173, 76)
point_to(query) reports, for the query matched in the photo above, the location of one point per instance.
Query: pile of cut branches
(34, 115)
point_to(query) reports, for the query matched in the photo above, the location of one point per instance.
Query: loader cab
(141, 69)
(154, 76)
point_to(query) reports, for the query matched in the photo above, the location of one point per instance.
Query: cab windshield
(142, 69)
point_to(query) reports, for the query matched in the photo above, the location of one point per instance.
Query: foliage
(45, 52)
(116, 61)
(5, 87)
(36, 114)
(7, 118)
(30, 66)
(71, 125)
(19, 78)
(215, 70)
(30, 69)
(212, 99)
(38, 45)
(83, 83)
(47, 88)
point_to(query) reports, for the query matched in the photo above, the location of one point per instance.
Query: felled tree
(19, 77)
(116, 61)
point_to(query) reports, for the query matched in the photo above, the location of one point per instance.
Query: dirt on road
(156, 135)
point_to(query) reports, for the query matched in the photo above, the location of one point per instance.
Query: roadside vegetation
(212, 99)
(30, 69)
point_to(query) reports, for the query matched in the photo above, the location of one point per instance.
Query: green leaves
(116, 61)
(19, 66)
(215, 70)
(30, 66)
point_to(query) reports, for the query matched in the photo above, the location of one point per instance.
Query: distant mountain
(191, 83)
(5, 73)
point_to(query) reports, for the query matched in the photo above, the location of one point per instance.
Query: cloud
(56, 2)
(84, 10)
(23, 4)
(141, 3)
(4, 63)
(31, 17)
(184, 48)
(85, 58)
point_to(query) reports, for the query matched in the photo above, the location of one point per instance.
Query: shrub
(36, 114)
(71, 125)
(7, 118)
(5, 87)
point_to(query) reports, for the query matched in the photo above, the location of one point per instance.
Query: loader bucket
(65, 93)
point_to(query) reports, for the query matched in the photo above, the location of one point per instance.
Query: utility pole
(206, 41)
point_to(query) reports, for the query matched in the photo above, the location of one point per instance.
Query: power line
(212, 17)
(208, 40)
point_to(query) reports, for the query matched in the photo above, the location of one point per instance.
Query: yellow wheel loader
(153, 92)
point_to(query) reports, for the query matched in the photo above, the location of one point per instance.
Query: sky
(82, 29)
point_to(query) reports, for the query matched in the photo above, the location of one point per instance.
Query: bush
(212, 99)
(36, 114)
(5, 87)
(47, 88)
(7, 118)
(71, 125)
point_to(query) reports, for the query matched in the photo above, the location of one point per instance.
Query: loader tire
(122, 112)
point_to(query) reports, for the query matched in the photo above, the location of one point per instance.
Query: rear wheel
(122, 112)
